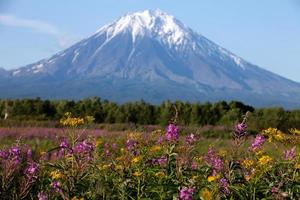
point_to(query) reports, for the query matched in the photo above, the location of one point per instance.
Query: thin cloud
(38, 26)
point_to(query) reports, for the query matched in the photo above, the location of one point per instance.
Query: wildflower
(172, 133)
(290, 154)
(160, 174)
(224, 186)
(119, 167)
(56, 185)
(265, 160)
(240, 130)
(194, 165)
(136, 160)
(258, 142)
(155, 148)
(275, 190)
(31, 171)
(162, 161)
(68, 120)
(206, 194)
(56, 175)
(4, 154)
(15, 151)
(130, 144)
(274, 134)
(211, 178)
(247, 163)
(137, 174)
(42, 196)
(295, 131)
(114, 146)
(186, 193)
(297, 166)
(160, 140)
(214, 161)
(99, 142)
(190, 139)
(64, 144)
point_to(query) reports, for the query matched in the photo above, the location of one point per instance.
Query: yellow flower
(206, 194)
(222, 153)
(211, 178)
(274, 134)
(137, 174)
(265, 160)
(56, 175)
(295, 131)
(134, 135)
(99, 141)
(136, 160)
(119, 167)
(247, 163)
(297, 166)
(160, 174)
(104, 167)
(68, 120)
(155, 148)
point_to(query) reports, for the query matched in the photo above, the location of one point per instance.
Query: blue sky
(264, 32)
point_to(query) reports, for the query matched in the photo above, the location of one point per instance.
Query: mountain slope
(150, 55)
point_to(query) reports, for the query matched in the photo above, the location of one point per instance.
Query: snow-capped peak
(156, 23)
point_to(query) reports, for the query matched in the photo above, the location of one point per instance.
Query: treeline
(140, 112)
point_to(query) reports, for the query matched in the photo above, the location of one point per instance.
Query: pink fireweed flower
(131, 144)
(42, 196)
(32, 171)
(190, 139)
(4, 154)
(212, 159)
(160, 140)
(240, 130)
(258, 142)
(56, 185)
(224, 186)
(172, 133)
(162, 161)
(186, 193)
(64, 144)
(194, 165)
(290, 154)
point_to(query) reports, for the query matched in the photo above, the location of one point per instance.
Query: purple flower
(31, 171)
(4, 154)
(258, 142)
(194, 165)
(162, 161)
(224, 186)
(214, 161)
(64, 144)
(15, 151)
(172, 133)
(42, 196)
(190, 139)
(290, 154)
(29, 153)
(130, 144)
(160, 140)
(275, 190)
(186, 193)
(56, 186)
(240, 130)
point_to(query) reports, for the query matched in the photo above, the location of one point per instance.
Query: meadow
(79, 161)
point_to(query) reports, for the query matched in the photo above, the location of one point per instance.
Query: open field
(84, 163)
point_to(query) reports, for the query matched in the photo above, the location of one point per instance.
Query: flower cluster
(172, 133)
